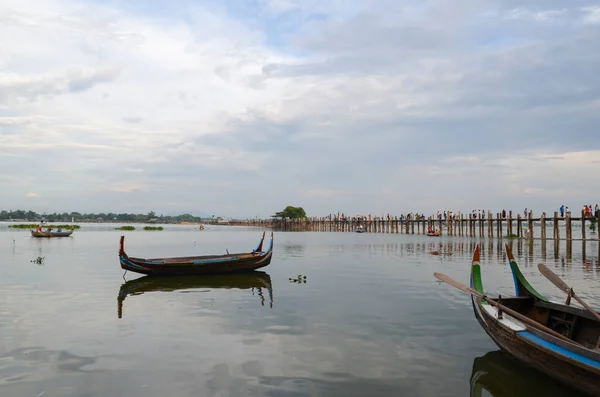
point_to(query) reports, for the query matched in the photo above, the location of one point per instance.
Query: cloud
(15, 87)
(243, 109)
(540, 16)
(592, 14)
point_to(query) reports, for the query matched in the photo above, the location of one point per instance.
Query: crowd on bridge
(587, 210)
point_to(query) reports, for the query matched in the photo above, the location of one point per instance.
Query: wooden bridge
(485, 225)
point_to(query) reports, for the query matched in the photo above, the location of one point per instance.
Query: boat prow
(522, 286)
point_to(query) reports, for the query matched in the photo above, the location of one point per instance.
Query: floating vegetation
(593, 225)
(35, 225)
(38, 261)
(153, 228)
(300, 279)
(512, 235)
(125, 228)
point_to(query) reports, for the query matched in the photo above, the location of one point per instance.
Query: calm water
(370, 319)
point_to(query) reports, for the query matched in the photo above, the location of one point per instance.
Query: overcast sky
(241, 107)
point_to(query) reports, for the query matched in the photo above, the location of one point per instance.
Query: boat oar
(554, 279)
(517, 315)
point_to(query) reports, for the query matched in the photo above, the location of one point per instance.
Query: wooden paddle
(550, 275)
(517, 315)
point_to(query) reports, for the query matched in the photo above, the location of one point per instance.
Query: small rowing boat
(556, 339)
(209, 264)
(61, 233)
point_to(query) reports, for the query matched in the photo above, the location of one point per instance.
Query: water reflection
(23, 359)
(256, 281)
(528, 252)
(295, 250)
(501, 376)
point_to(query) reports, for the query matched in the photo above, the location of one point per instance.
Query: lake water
(371, 320)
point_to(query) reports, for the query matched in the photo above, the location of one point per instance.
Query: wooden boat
(62, 233)
(556, 339)
(434, 234)
(209, 264)
(502, 376)
(360, 229)
(255, 280)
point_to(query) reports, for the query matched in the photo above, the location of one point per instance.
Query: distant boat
(208, 264)
(435, 233)
(201, 227)
(360, 229)
(65, 233)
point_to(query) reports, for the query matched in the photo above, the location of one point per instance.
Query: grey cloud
(543, 4)
(34, 88)
(84, 80)
(132, 119)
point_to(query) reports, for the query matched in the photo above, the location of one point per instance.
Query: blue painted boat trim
(559, 349)
(516, 281)
(196, 262)
(259, 245)
(217, 260)
(130, 264)
(270, 248)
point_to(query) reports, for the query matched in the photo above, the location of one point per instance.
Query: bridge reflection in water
(528, 252)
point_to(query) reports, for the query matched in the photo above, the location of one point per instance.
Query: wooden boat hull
(433, 234)
(255, 280)
(525, 346)
(66, 233)
(212, 264)
(567, 362)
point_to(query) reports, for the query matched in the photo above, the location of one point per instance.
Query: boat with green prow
(559, 340)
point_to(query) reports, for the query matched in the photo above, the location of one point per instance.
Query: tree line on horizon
(96, 217)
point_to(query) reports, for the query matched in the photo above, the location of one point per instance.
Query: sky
(239, 108)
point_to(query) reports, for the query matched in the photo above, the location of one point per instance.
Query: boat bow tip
(476, 254)
(122, 249)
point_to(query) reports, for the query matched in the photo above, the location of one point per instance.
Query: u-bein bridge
(484, 225)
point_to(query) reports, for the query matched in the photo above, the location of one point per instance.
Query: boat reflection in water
(498, 375)
(257, 281)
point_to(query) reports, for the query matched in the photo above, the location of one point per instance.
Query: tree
(291, 212)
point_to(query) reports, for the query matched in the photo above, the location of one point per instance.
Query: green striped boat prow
(523, 281)
(476, 279)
